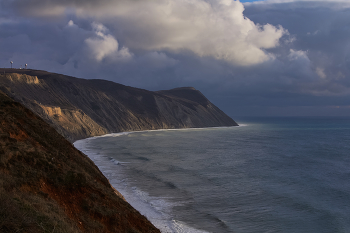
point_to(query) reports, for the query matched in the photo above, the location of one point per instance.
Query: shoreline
(119, 182)
(153, 130)
(155, 209)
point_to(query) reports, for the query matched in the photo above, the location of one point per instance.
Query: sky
(260, 58)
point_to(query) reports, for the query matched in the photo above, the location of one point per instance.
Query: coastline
(156, 210)
(119, 183)
(153, 130)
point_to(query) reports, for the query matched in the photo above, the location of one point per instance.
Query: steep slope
(79, 108)
(46, 185)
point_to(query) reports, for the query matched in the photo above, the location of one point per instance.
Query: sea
(270, 174)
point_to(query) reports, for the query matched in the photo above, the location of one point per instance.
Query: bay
(267, 175)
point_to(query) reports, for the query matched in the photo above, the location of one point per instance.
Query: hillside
(46, 185)
(79, 108)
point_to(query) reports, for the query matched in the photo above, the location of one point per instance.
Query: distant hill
(80, 108)
(46, 185)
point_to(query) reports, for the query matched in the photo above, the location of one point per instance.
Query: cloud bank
(262, 58)
(215, 29)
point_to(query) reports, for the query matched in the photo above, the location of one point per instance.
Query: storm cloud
(275, 57)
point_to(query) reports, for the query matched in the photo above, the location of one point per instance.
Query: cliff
(46, 185)
(79, 108)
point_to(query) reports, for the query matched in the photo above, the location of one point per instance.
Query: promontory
(46, 185)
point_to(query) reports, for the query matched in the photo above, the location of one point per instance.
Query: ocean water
(289, 175)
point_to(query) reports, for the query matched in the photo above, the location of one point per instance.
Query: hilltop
(81, 108)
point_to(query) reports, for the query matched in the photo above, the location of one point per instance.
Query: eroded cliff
(79, 108)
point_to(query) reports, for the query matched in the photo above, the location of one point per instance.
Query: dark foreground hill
(79, 108)
(46, 185)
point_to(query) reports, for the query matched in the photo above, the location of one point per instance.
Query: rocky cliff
(79, 108)
(46, 185)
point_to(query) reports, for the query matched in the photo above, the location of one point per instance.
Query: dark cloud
(297, 65)
(322, 30)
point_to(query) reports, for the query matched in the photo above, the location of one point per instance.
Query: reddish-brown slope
(46, 185)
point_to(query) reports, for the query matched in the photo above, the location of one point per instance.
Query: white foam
(156, 210)
(152, 130)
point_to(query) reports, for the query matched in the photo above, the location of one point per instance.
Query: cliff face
(46, 185)
(79, 108)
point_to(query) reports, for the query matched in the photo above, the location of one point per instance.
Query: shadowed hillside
(79, 108)
(46, 185)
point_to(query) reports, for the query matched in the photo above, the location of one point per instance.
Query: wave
(156, 209)
(153, 130)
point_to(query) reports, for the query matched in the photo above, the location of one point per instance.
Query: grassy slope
(46, 185)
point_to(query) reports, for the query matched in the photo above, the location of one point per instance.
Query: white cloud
(189, 43)
(320, 72)
(70, 23)
(298, 55)
(103, 44)
(215, 29)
